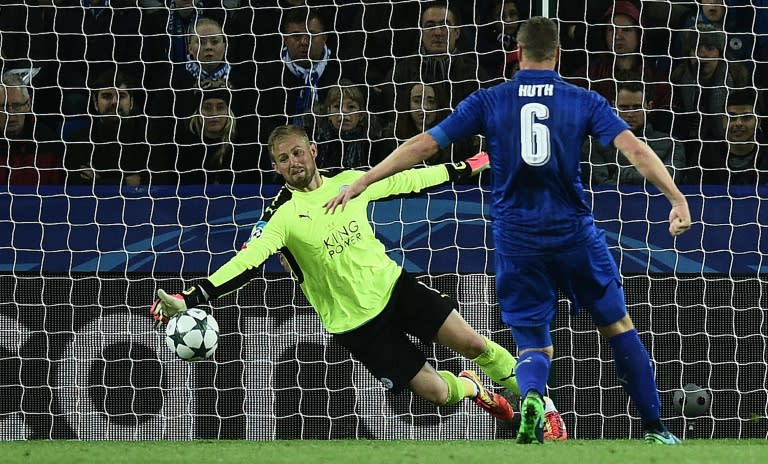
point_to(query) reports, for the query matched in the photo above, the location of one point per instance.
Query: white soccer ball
(692, 400)
(192, 335)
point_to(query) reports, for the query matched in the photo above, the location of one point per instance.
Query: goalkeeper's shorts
(382, 344)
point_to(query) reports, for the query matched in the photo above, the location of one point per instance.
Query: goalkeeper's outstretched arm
(237, 272)
(414, 151)
(167, 305)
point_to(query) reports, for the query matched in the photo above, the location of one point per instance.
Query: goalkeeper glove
(166, 306)
(463, 170)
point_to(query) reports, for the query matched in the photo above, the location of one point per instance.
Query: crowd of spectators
(179, 92)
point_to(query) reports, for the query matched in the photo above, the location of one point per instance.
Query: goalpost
(79, 358)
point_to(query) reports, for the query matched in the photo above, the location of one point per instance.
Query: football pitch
(375, 452)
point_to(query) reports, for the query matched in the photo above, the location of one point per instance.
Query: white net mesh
(132, 156)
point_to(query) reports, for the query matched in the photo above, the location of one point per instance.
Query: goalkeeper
(363, 297)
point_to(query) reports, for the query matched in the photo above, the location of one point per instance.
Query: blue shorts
(528, 287)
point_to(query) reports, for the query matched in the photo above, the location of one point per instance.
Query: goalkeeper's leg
(445, 388)
(492, 358)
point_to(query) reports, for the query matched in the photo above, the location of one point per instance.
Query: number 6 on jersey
(534, 136)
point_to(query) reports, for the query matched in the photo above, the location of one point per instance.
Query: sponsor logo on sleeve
(258, 228)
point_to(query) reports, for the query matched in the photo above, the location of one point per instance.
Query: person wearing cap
(622, 58)
(736, 22)
(701, 86)
(207, 145)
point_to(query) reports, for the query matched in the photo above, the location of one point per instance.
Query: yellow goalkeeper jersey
(341, 266)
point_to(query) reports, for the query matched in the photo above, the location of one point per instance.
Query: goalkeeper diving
(364, 299)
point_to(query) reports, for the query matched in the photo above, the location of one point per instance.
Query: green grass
(380, 452)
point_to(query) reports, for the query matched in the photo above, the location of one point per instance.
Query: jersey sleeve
(605, 124)
(411, 180)
(267, 236)
(266, 239)
(466, 121)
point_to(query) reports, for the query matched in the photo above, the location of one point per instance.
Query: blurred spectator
(208, 146)
(385, 32)
(743, 158)
(182, 15)
(290, 88)
(761, 55)
(439, 61)
(365, 39)
(421, 106)
(29, 151)
(112, 148)
(701, 85)
(267, 17)
(339, 17)
(497, 37)
(731, 20)
(96, 34)
(206, 66)
(28, 42)
(623, 59)
(166, 30)
(609, 166)
(348, 136)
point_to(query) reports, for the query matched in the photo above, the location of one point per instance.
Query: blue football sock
(532, 372)
(635, 373)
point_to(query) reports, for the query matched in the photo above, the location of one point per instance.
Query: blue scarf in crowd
(310, 77)
(217, 78)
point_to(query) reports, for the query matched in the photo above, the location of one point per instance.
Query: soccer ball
(192, 335)
(692, 400)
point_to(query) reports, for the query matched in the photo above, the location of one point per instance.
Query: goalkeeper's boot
(554, 427)
(661, 437)
(495, 404)
(532, 421)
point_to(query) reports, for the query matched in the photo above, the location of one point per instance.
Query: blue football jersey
(535, 125)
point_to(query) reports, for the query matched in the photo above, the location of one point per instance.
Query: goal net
(133, 157)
